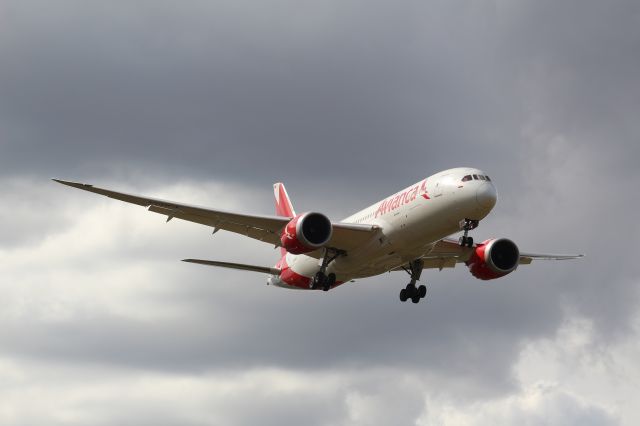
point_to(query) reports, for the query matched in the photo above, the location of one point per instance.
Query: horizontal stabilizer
(263, 269)
(527, 258)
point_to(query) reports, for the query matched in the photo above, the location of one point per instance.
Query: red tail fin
(283, 204)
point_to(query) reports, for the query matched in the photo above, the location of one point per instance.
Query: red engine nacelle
(306, 233)
(494, 259)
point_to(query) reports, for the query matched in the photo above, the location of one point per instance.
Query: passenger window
(475, 177)
(467, 178)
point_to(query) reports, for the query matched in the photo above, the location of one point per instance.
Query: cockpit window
(467, 178)
(488, 178)
(475, 177)
(481, 177)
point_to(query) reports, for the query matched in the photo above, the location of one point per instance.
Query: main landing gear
(411, 291)
(321, 279)
(468, 225)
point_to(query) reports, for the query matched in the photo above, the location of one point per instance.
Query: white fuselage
(410, 222)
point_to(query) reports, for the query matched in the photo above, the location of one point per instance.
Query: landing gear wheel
(422, 291)
(412, 292)
(321, 279)
(329, 282)
(465, 241)
(332, 279)
(318, 280)
(403, 295)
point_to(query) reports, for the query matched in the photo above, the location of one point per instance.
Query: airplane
(409, 230)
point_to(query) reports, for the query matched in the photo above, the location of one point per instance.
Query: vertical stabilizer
(283, 203)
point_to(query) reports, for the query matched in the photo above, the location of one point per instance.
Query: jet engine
(306, 233)
(494, 259)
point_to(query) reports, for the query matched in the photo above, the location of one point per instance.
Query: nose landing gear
(411, 291)
(468, 225)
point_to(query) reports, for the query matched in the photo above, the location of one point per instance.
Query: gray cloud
(242, 91)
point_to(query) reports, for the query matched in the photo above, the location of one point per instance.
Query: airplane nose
(486, 195)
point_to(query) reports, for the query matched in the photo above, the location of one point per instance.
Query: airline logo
(395, 201)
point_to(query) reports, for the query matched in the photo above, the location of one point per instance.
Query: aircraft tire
(411, 290)
(318, 280)
(403, 295)
(422, 291)
(331, 279)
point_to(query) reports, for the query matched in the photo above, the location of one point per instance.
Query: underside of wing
(438, 261)
(446, 253)
(348, 236)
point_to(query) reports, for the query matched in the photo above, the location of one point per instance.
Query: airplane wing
(447, 253)
(346, 236)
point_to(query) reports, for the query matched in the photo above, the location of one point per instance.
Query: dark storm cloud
(355, 91)
(214, 89)
(353, 100)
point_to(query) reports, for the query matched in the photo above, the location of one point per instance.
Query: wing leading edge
(346, 236)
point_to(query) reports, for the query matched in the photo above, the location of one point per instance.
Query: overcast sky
(210, 102)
